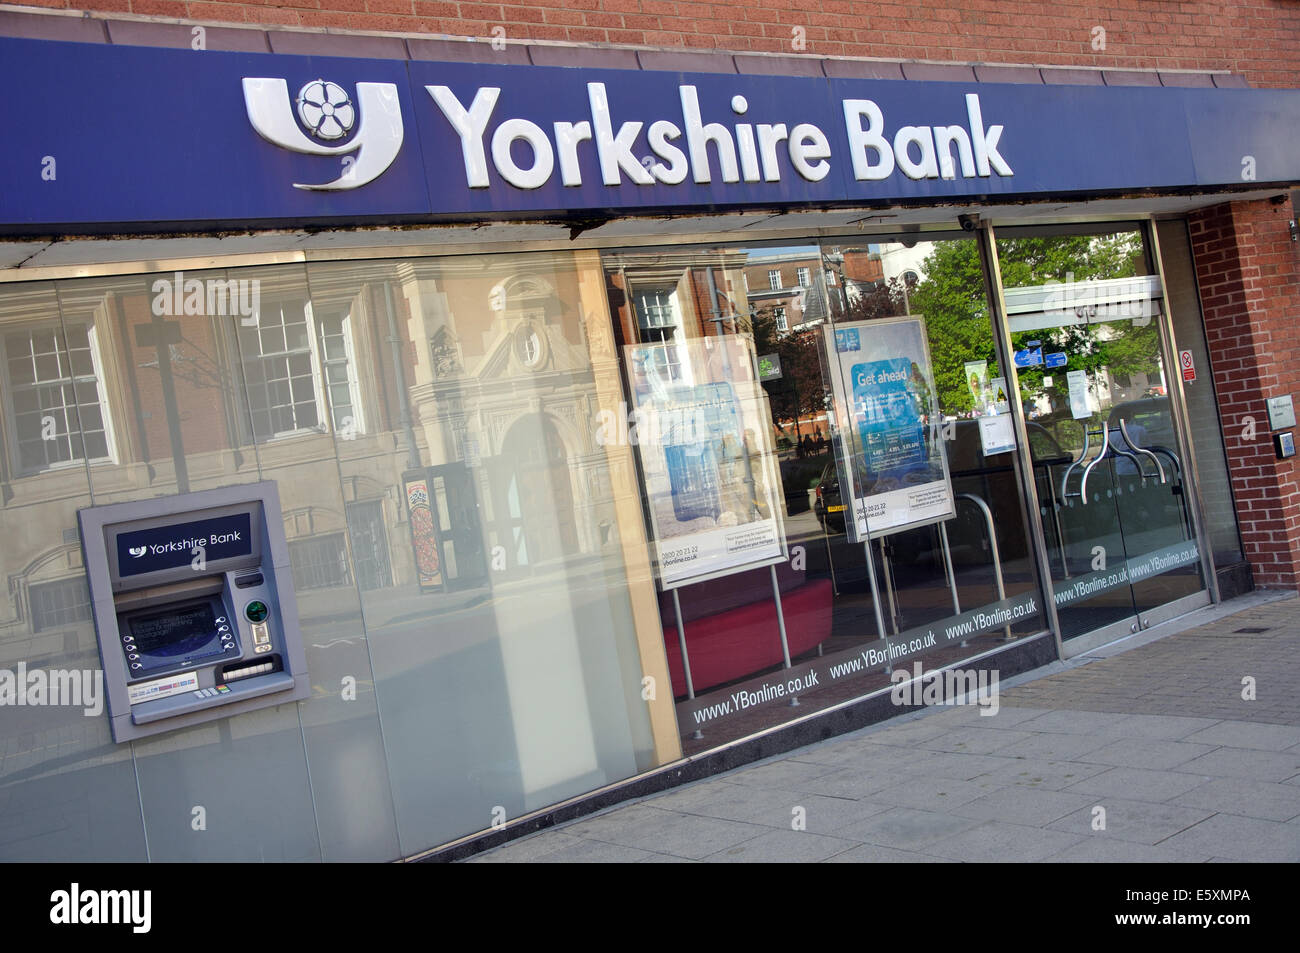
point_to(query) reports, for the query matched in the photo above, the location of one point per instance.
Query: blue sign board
(1059, 359)
(101, 134)
(1029, 357)
(166, 547)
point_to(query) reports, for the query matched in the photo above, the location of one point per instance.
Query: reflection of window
(56, 408)
(805, 279)
(774, 280)
(319, 562)
(528, 345)
(277, 356)
(657, 318)
(654, 309)
(61, 603)
(781, 323)
(340, 371)
(369, 544)
(282, 355)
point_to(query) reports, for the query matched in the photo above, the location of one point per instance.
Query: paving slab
(1115, 851)
(1054, 746)
(849, 783)
(685, 835)
(1248, 734)
(1146, 753)
(1024, 805)
(976, 740)
(1076, 722)
(933, 794)
(783, 847)
(1267, 800)
(1246, 763)
(1137, 821)
(959, 767)
(1042, 773)
(875, 854)
(908, 829)
(1240, 838)
(594, 852)
(1162, 727)
(999, 842)
(1138, 784)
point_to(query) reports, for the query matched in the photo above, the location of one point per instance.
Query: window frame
(58, 325)
(350, 371)
(319, 383)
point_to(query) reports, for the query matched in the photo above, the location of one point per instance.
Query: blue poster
(885, 405)
(891, 427)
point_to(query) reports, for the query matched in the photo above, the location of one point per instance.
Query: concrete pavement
(1152, 749)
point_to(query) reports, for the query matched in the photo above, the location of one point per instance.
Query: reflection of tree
(951, 297)
(799, 391)
(1121, 347)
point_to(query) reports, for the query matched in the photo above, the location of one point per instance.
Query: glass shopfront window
(557, 519)
(774, 601)
(469, 561)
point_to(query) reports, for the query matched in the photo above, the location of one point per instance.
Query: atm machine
(192, 597)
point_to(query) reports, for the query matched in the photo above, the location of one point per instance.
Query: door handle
(1142, 450)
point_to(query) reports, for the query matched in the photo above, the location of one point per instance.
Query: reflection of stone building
(503, 391)
(111, 401)
(482, 385)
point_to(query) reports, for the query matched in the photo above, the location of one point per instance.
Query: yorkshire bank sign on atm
(208, 138)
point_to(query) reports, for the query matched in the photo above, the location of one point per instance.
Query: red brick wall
(1257, 38)
(863, 266)
(1248, 271)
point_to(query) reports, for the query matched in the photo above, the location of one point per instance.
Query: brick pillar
(1248, 272)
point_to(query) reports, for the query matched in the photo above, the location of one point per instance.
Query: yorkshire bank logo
(329, 113)
(138, 551)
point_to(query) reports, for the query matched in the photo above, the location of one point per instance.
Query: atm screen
(175, 632)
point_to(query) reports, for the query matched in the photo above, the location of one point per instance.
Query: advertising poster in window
(424, 538)
(886, 410)
(700, 420)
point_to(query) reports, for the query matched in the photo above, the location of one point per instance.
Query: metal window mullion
(324, 420)
(1178, 407)
(1023, 456)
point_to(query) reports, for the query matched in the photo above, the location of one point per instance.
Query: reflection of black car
(828, 506)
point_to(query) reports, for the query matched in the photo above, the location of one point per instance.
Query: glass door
(1085, 315)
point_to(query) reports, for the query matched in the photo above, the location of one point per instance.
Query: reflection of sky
(759, 254)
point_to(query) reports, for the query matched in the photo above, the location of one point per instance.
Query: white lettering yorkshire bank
(749, 152)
